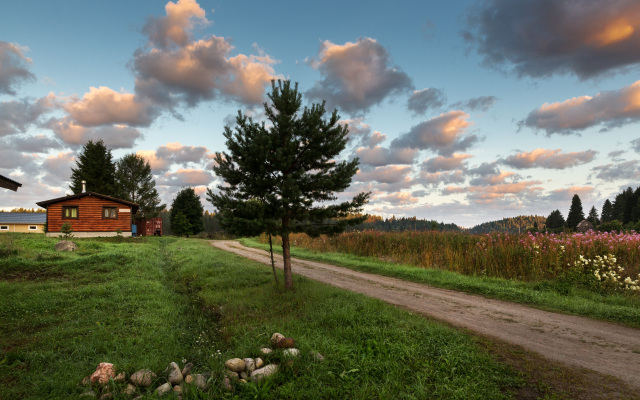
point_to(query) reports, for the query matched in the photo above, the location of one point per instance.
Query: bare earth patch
(596, 350)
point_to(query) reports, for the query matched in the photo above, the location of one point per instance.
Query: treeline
(518, 224)
(28, 210)
(210, 223)
(393, 224)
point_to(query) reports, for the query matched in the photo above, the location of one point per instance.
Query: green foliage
(607, 211)
(67, 230)
(611, 226)
(593, 216)
(187, 203)
(518, 224)
(555, 221)
(94, 165)
(135, 183)
(576, 215)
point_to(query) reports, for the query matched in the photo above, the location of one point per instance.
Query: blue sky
(463, 112)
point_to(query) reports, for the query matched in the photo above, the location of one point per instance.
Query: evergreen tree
(607, 211)
(181, 225)
(576, 215)
(593, 216)
(94, 165)
(555, 221)
(188, 204)
(279, 175)
(135, 183)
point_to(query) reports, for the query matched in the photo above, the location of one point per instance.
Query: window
(4, 228)
(110, 212)
(69, 212)
(33, 228)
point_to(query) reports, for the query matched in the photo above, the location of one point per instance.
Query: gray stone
(226, 383)
(106, 396)
(265, 350)
(130, 390)
(243, 376)
(235, 364)
(163, 389)
(65, 245)
(231, 374)
(262, 373)
(187, 369)
(143, 378)
(275, 338)
(317, 356)
(259, 362)
(249, 365)
(175, 376)
(291, 352)
(201, 381)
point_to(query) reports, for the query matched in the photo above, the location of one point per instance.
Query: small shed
(584, 226)
(9, 183)
(90, 214)
(22, 222)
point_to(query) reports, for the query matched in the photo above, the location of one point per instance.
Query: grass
(555, 295)
(142, 303)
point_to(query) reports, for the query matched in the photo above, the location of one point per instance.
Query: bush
(611, 226)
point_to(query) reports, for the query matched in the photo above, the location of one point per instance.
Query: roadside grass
(553, 295)
(142, 303)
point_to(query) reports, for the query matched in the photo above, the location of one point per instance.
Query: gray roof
(22, 218)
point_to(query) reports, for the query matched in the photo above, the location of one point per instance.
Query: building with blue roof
(22, 222)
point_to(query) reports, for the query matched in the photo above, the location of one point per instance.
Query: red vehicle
(150, 227)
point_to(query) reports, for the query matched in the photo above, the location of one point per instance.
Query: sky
(463, 112)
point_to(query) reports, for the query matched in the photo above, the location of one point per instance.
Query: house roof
(22, 218)
(47, 203)
(9, 183)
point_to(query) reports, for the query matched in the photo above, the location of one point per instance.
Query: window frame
(33, 227)
(4, 227)
(110, 208)
(64, 208)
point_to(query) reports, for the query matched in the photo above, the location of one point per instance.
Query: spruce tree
(279, 175)
(555, 221)
(135, 183)
(576, 215)
(187, 203)
(95, 166)
(593, 217)
(607, 211)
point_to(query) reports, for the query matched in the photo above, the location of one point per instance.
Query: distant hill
(518, 224)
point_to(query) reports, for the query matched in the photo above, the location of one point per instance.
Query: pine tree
(135, 183)
(576, 215)
(593, 216)
(279, 175)
(95, 166)
(187, 203)
(555, 221)
(607, 211)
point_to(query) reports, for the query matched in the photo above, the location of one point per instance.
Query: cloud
(58, 168)
(356, 76)
(186, 177)
(444, 177)
(509, 191)
(399, 198)
(34, 144)
(551, 159)
(11, 159)
(492, 179)
(422, 100)
(610, 108)
(386, 174)
(540, 38)
(114, 136)
(19, 116)
(105, 106)
(379, 156)
(440, 163)
(13, 68)
(360, 133)
(173, 153)
(482, 103)
(177, 26)
(566, 195)
(635, 145)
(443, 134)
(629, 170)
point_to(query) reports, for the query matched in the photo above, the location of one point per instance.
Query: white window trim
(4, 227)
(33, 227)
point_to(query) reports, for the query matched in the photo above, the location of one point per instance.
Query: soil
(607, 349)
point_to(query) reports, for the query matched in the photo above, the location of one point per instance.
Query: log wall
(89, 216)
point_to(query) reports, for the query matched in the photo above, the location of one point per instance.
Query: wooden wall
(23, 228)
(89, 216)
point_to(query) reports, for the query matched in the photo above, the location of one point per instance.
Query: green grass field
(142, 303)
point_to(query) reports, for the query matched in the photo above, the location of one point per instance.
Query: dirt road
(600, 346)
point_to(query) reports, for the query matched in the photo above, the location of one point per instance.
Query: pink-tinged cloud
(567, 194)
(449, 190)
(610, 109)
(379, 156)
(19, 116)
(422, 100)
(356, 76)
(105, 106)
(444, 134)
(398, 198)
(186, 177)
(545, 37)
(58, 168)
(626, 170)
(512, 191)
(177, 26)
(14, 68)
(165, 156)
(388, 174)
(360, 133)
(550, 159)
(492, 179)
(437, 178)
(440, 163)
(114, 136)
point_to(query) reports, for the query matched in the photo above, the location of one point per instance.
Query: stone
(163, 389)
(130, 390)
(286, 343)
(201, 381)
(291, 352)
(259, 362)
(264, 372)
(188, 379)
(143, 378)
(175, 376)
(265, 350)
(226, 383)
(249, 365)
(243, 376)
(121, 377)
(231, 374)
(65, 245)
(275, 338)
(88, 394)
(86, 381)
(177, 389)
(317, 356)
(235, 364)
(104, 372)
(106, 396)
(187, 369)
(243, 380)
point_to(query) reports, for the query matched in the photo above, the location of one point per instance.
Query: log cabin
(90, 214)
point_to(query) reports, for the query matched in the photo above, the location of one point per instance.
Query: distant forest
(393, 224)
(518, 224)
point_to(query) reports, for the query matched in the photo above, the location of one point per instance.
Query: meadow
(142, 303)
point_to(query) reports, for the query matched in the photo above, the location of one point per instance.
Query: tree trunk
(286, 255)
(273, 264)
